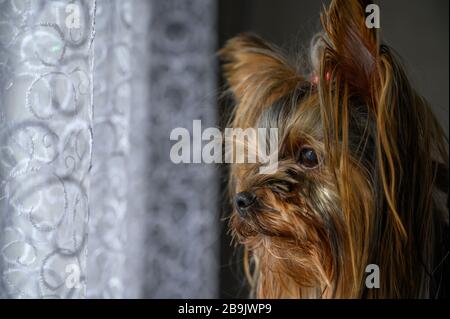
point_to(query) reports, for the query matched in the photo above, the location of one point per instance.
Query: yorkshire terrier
(362, 174)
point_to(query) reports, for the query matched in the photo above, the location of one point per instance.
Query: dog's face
(338, 199)
(292, 219)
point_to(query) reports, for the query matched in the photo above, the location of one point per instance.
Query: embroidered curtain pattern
(90, 204)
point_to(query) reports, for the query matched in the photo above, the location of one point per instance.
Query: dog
(362, 176)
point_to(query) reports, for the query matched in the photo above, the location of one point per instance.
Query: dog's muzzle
(243, 202)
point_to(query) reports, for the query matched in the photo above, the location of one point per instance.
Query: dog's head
(358, 155)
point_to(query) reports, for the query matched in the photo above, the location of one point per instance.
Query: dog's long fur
(379, 194)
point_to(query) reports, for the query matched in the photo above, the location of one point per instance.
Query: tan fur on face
(374, 198)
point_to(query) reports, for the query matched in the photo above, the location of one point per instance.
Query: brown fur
(378, 195)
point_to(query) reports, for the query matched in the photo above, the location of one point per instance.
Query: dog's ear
(351, 48)
(257, 73)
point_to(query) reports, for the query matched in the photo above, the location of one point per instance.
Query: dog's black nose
(243, 201)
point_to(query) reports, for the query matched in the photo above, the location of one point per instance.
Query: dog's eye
(308, 158)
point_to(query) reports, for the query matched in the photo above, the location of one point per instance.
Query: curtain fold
(46, 62)
(182, 233)
(108, 201)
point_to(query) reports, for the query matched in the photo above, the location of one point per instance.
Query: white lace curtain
(90, 204)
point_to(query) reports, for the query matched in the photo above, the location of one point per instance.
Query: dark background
(416, 29)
